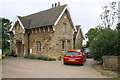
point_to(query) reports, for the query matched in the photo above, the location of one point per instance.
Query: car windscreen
(72, 53)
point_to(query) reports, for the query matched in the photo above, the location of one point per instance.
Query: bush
(30, 56)
(106, 43)
(12, 54)
(5, 52)
(46, 58)
(26, 56)
(40, 58)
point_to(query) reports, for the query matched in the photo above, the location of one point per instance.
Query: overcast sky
(84, 12)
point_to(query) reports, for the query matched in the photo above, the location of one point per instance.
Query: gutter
(28, 42)
(28, 33)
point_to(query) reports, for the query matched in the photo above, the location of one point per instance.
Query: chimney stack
(58, 3)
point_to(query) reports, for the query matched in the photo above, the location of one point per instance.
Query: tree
(106, 43)
(109, 15)
(6, 24)
(118, 26)
(92, 34)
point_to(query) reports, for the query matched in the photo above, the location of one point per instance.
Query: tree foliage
(6, 24)
(92, 34)
(118, 26)
(106, 43)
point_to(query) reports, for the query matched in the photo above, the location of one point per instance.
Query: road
(32, 68)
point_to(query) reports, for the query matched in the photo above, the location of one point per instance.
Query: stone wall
(110, 62)
(18, 35)
(45, 39)
(78, 42)
(63, 32)
(51, 41)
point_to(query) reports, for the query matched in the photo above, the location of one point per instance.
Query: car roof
(75, 50)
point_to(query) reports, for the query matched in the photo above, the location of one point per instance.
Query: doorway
(19, 49)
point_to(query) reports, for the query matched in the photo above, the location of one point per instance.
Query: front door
(19, 49)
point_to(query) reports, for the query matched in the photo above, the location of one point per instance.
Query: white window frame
(38, 46)
(63, 45)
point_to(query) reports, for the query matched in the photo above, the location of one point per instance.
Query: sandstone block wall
(110, 62)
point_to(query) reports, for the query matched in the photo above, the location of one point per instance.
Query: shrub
(46, 58)
(14, 55)
(5, 52)
(26, 56)
(53, 59)
(30, 56)
(40, 58)
(106, 43)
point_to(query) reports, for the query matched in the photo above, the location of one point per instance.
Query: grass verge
(104, 72)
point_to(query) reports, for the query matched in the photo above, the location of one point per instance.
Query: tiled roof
(43, 18)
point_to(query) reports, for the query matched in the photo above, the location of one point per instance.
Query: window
(38, 46)
(63, 45)
(72, 53)
(64, 27)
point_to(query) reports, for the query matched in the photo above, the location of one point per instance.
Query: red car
(74, 56)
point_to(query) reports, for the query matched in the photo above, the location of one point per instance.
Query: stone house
(78, 37)
(48, 33)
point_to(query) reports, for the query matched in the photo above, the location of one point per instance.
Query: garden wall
(110, 62)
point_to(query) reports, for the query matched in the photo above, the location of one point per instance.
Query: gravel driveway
(32, 68)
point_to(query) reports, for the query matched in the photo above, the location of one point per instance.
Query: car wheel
(82, 64)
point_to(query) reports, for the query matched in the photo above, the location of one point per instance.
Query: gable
(17, 29)
(17, 20)
(80, 34)
(66, 14)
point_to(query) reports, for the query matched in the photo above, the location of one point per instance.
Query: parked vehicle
(87, 52)
(74, 56)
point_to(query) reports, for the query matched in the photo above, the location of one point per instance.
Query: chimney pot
(58, 3)
(55, 4)
(52, 5)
